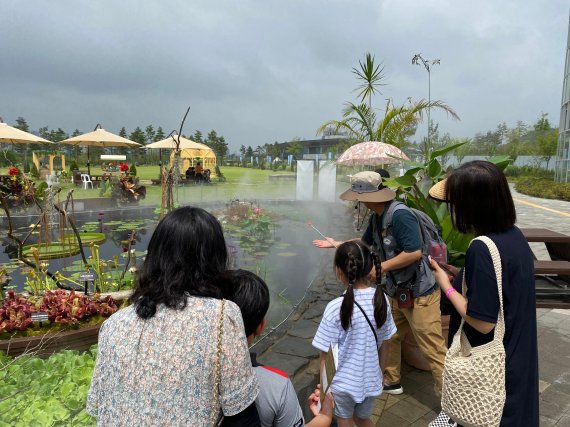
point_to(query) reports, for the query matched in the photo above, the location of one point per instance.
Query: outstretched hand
(328, 243)
(326, 406)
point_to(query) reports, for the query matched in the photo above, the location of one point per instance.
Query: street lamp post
(427, 64)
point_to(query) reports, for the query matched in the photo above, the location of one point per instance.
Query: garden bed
(47, 344)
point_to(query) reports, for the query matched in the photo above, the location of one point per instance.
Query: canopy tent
(191, 152)
(192, 156)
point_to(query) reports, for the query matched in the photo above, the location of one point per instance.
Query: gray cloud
(260, 72)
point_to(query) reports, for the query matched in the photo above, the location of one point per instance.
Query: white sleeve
(327, 334)
(388, 329)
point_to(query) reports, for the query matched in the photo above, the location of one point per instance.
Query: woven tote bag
(474, 377)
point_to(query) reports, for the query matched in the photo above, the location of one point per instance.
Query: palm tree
(361, 122)
(371, 77)
(398, 123)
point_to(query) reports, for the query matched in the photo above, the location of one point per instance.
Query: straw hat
(367, 187)
(439, 190)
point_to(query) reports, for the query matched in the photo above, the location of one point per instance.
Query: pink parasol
(371, 153)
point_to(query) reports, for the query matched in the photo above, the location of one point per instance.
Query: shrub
(34, 171)
(133, 170)
(543, 188)
(528, 171)
(26, 167)
(41, 188)
(73, 166)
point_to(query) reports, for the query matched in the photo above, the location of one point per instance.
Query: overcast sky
(264, 71)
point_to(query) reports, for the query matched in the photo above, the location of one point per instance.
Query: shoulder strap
(368, 320)
(423, 231)
(496, 257)
(389, 213)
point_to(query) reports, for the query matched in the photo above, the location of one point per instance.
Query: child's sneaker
(393, 389)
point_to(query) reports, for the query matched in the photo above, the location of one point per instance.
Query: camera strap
(368, 320)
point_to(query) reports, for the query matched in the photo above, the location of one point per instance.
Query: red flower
(13, 172)
(123, 167)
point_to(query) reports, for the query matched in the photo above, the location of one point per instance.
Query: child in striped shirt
(360, 323)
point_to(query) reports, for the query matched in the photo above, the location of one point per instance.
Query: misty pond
(272, 239)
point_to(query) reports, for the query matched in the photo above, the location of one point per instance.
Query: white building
(562, 166)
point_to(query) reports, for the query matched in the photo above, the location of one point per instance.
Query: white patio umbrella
(170, 144)
(12, 135)
(100, 138)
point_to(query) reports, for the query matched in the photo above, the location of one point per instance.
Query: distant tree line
(539, 140)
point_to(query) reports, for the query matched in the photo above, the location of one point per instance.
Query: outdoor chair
(52, 179)
(86, 179)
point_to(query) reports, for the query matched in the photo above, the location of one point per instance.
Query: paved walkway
(419, 404)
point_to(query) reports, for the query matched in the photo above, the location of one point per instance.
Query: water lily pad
(287, 254)
(53, 250)
(261, 253)
(86, 238)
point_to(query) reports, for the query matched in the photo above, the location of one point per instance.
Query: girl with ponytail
(360, 323)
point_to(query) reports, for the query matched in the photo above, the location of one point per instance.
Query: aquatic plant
(45, 392)
(62, 308)
(253, 226)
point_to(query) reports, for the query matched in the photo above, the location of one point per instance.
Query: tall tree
(22, 124)
(159, 135)
(76, 132)
(198, 136)
(547, 138)
(370, 76)
(222, 149)
(138, 135)
(123, 133)
(149, 133)
(399, 123)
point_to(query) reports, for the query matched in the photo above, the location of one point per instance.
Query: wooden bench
(552, 267)
(558, 246)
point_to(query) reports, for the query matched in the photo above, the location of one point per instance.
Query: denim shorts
(345, 406)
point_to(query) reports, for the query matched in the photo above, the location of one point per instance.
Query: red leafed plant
(15, 313)
(62, 307)
(123, 167)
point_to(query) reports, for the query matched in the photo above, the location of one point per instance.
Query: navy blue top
(519, 303)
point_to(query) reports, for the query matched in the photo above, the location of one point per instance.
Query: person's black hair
(186, 254)
(251, 295)
(355, 259)
(383, 173)
(479, 199)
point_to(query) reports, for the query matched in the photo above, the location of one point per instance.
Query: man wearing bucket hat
(394, 233)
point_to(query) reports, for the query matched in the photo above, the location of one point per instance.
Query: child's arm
(383, 354)
(322, 416)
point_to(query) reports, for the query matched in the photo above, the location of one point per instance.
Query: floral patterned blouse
(160, 371)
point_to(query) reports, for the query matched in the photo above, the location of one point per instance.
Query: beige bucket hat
(367, 187)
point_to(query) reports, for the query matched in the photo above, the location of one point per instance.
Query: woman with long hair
(480, 202)
(178, 355)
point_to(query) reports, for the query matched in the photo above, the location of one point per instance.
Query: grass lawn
(241, 183)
